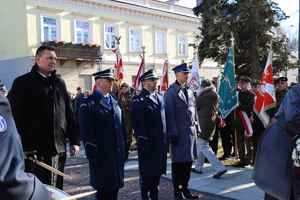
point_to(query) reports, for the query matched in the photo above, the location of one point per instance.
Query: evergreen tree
(254, 25)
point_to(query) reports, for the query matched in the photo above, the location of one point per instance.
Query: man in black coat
(44, 118)
(104, 137)
(150, 129)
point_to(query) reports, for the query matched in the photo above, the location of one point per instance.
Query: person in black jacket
(14, 182)
(246, 102)
(44, 118)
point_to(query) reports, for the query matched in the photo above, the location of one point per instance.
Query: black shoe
(178, 196)
(240, 164)
(219, 174)
(188, 195)
(224, 157)
(196, 171)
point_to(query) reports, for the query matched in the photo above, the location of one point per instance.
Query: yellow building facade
(164, 29)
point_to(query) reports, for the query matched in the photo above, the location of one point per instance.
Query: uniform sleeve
(127, 147)
(16, 100)
(14, 182)
(170, 114)
(138, 120)
(86, 122)
(291, 110)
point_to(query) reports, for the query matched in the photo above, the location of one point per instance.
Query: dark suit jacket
(43, 113)
(207, 110)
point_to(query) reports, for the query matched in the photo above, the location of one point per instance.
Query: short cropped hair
(43, 48)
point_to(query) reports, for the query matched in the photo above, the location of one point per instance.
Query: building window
(82, 31)
(182, 45)
(160, 42)
(135, 40)
(110, 31)
(49, 29)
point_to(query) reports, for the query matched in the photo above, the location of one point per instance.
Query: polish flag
(164, 80)
(137, 83)
(118, 65)
(265, 96)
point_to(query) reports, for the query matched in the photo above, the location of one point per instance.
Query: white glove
(296, 154)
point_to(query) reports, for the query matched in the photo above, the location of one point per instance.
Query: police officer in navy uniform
(181, 131)
(150, 130)
(104, 137)
(15, 184)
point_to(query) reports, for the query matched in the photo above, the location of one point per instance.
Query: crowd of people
(185, 124)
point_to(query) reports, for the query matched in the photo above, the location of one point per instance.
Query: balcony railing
(75, 52)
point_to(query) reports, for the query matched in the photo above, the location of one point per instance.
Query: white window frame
(160, 45)
(56, 27)
(138, 46)
(88, 31)
(110, 34)
(182, 46)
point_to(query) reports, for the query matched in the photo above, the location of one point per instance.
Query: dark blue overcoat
(181, 121)
(274, 171)
(148, 117)
(104, 138)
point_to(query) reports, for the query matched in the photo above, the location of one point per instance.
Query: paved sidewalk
(235, 184)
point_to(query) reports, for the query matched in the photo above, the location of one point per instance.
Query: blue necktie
(107, 101)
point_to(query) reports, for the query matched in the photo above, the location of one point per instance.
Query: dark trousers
(214, 143)
(58, 162)
(225, 134)
(181, 173)
(149, 187)
(255, 140)
(107, 195)
(244, 144)
(227, 141)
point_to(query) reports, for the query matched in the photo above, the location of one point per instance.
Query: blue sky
(291, 8)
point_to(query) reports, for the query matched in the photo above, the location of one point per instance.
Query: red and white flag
(246, 123)
(137, 83)
(164, 80)
(265, 95)
(194, 80)
(118, 65)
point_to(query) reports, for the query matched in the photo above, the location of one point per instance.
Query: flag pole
(232, 46)
(99, 60)
(234, 112)
(143, 54)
